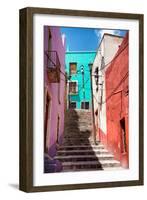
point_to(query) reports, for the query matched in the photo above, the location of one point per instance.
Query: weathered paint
(52, 89)
(117, 88)
(82, 58)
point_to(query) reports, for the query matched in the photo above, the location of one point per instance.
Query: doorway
(46, 119)
(123, 136)
(58, 123)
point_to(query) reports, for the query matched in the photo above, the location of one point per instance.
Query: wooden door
(47, 109)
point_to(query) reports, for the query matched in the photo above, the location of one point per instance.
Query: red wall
(117, 104)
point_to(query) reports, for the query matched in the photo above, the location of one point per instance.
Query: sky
(85, 39)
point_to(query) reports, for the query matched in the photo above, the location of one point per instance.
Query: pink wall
(52, 89)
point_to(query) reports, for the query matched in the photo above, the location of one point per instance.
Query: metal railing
(53, 66)
(52, 59)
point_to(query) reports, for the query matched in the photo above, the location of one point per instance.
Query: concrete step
(89, 164)
(86, 133)
(73, 127)
(114, 168)
(78, 114)
(78, 124)
(83, 119)
(74, 140)
(81, 147)
(76, 158)
(75, 136)
(78, 131)
(71, 143)
(96, 169)
(76, 143)
(80, 121)
(82, 152)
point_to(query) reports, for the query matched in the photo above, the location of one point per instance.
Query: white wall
(108, 48)
(9, 40)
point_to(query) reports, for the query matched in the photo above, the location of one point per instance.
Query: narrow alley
(86, 100)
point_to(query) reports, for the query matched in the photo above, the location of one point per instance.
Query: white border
(41, 179)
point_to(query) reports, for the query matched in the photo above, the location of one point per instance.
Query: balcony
(53, 66)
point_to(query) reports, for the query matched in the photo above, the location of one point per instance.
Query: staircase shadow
(78, 143)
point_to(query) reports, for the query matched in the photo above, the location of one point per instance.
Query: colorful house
(117, 104)
(110, 105)
(107, 49)
(54, 89)
(78, 65)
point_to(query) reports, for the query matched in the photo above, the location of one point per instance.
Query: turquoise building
(78, 65)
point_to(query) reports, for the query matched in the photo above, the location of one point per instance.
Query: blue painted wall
(81, 58)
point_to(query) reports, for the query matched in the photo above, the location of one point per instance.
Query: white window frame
(76, 87)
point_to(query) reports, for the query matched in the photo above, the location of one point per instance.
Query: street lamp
(82, 69)
(96, 77)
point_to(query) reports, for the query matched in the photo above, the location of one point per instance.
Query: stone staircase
(78, 151)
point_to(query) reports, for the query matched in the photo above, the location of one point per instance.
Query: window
(72, 105)
(85, 105)
(73, 68)
(73, 87)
